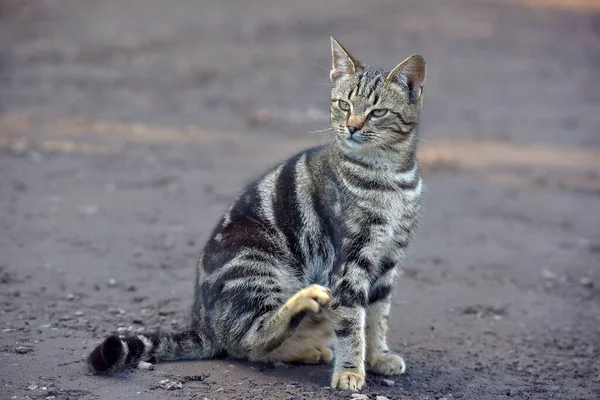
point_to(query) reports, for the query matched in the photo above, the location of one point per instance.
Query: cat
(308, 253)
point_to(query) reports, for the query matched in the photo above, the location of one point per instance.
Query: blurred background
(128, 126)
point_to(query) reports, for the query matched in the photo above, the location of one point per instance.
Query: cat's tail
(115, 352)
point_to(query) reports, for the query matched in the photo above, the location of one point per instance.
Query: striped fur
(307, 254)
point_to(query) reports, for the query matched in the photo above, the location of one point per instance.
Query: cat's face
(372, 108)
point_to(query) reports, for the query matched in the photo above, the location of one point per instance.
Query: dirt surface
(126, 128)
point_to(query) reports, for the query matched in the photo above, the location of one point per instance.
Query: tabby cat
(308, 252)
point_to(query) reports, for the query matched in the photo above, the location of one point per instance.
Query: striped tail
(115, 352)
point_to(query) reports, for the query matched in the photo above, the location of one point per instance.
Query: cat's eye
(380, 112)
(343, 105)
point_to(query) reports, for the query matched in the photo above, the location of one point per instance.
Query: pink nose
(352, 129)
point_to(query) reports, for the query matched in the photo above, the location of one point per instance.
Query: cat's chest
(390, 221)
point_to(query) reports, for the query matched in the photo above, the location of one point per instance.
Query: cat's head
(372, 108)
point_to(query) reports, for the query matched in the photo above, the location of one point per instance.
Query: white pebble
(359, 396)
(168, 384)
(146, 366)
(279, 364)
(381, 398)
(389, 382)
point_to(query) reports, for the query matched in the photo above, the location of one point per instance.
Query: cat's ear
(342, 62)
(411, 74)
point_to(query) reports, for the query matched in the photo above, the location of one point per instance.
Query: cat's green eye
(380, 112)
(343, 105)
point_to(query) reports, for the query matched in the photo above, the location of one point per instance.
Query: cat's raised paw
(348, 380)
(387, 364)
(310, 298)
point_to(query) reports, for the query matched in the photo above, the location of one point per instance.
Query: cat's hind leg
(264, 340)
(308, 344)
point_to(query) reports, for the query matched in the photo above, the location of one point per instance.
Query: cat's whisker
(323, 68)
(426, 161)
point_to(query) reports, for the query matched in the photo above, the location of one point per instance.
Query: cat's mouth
(354, 139)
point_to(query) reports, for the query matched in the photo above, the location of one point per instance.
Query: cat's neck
(376, 161)
(365, 177)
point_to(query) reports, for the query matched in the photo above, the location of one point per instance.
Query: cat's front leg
(348, 319)
(379, 359)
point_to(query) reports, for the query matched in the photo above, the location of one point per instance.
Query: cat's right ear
(342, 62)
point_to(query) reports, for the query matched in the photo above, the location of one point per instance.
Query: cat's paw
(348, 380)
(311, 298)
(313, 355)
(387, 364)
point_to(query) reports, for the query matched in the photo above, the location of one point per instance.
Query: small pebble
(146, 366)
(78, 313)
(381, 398)
(389, 382)
(122, 329)
(168, 384)
(23, 349)
(279, 364)
(359, 396)
(112, 282)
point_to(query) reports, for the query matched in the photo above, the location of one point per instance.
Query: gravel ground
(127, 126)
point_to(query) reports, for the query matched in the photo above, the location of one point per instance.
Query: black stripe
(402, 243)
(345, 295)
(345, 328)
(397, 114)
(386, 265)
(364, 264)
(356, 241)
(375, 99)
(244, 271)
(410, 184)
(379, 293)
(397, 128)
(273, 344)
(373, 86)
(360, 79)
(287, 212)
(136, 348)
(348, 365)
(374, 219)
(251, 306)
(245, 229)
(368, 184)
(355, 161)
(296, 319)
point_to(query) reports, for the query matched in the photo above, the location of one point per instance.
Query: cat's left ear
(411, 74)
(342, 62)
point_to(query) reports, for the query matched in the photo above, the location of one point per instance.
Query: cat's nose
(352, 129)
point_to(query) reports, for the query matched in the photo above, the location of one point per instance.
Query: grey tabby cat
(309, 251)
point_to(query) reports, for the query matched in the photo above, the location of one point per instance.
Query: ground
(127, 126)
